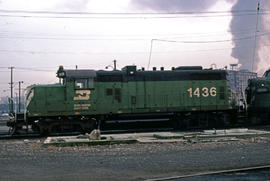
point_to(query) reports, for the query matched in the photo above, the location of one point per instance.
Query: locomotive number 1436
(205, 92)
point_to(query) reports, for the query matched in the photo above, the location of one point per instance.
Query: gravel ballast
(30, 160)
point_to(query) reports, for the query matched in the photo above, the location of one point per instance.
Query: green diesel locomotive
(86, 98)
(258, 96)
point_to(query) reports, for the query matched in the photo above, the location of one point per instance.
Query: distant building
(4, 104)
(4, 107)
(3, 100)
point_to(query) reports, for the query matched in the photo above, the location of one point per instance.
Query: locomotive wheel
(178, 122)
(12, 130)
(212, 121)
(43, 129)
(89, 125)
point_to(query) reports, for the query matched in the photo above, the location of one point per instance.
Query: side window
(117, 95)
(116, 92)
(109, 92)
(81, 84)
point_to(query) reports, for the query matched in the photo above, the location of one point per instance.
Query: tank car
(84, 99)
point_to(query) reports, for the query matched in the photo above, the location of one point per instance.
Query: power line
(129, 17)
(191, 42)
(40, 68)
(44, 14)
(80, 39)
(95, 39)
(33, 69)
(6, 33)
(23, 69)
(53, 67)
(199, 42)
(126, 35)
(28, 71)
(151, 13)
(102, 53)
(115, 39)
(150, 54)
(93, 53)
(213, 41)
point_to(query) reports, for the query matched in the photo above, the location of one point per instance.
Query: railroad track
(237, 170)
(5, 135)
(36, 135)
(19, 136)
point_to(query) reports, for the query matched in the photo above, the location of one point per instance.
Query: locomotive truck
(86, 99)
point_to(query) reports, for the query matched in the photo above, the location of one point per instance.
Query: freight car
(258, 96)
(84, 99)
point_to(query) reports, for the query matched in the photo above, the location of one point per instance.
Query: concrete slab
(160, 137)
(74, 141)
(234, 132)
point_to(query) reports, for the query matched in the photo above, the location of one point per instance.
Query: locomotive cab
(257, 88)
(71, 96)
(82, 79)
(267, 74)
(79, 90)
(62, 106)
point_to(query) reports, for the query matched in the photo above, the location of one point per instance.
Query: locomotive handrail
(244, 98)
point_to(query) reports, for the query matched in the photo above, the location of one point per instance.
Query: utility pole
(20, 82)
(11, 88)
(255, 38)
(11, 81)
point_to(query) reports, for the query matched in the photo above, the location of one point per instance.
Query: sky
(37, 36)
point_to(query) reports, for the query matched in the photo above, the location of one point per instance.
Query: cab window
(81, 84)
(84, 83)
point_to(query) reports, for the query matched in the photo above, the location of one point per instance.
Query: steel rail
(211, 173)
(37, 135)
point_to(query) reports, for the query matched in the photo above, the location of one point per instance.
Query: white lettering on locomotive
(205, 92)
(81, 106)
(82, 95)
